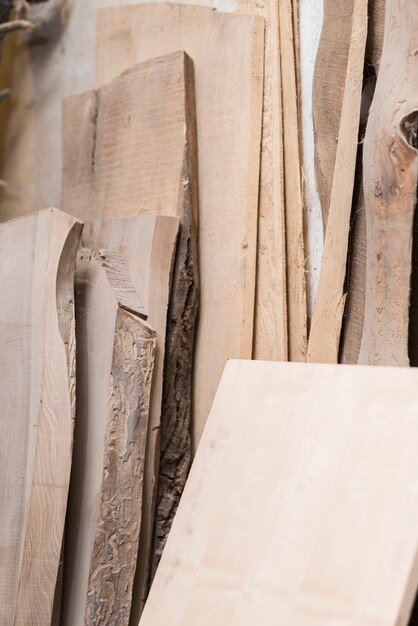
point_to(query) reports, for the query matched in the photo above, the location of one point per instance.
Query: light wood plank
(130, 149)
(295, 251)
(270, 341)
(390, 175)
(37, 391)
(227, 51)
(145, 248)
(324, 338)
(301, 506)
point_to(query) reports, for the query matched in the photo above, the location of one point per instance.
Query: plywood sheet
(227, 51)
(301, 506)
(130, 149)
(37, 387)
(125, 265)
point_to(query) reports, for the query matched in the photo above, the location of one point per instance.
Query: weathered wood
(390, 175)
(37, 390)
(115, 549)
(295, 251)
(107, 173)
(299, 508)
(324, 338)
(147, 247)
(227, 52)
(270, 341)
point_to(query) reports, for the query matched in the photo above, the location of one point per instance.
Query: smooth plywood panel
(227, 51)
(302, 504)
(37, 394)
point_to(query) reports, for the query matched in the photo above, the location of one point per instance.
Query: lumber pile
(162, 462)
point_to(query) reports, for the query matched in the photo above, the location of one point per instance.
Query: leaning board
(227, 52)
(302, 504)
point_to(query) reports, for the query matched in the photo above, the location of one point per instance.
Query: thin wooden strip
(37, 366)
(299, 507)
(270, 341)
(325, 330)
(147, 245)
(295, 254)
(390, 175)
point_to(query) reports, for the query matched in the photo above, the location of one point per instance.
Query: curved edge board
(37, 366)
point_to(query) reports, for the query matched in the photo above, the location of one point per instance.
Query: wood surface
(324, 338)
(37, 391)
(329, 83)
(227, 51)
(293, 191)
(390, 175)
(270, 341)
(301, 504)
(106, 332)
(107, 172)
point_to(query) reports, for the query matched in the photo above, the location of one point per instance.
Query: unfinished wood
(104, 521)
(329, 84)
(324, 338)
(295, 255)
(270, 340)
(37, 392)
(114, 555)
(108, 173)
(227, 51)
(390, 174)
(301, 504)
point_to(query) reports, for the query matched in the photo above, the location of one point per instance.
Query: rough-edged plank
(115, 550)
(300, 505)
(227, 51)
(270, 340)
(130, 149)
(147, 246)
(324, 338)
(295, 254)
(390, 174)
(37, 390)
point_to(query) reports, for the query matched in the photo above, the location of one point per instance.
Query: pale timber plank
(301, 504)
(37, 390)
(130, 149)
(144, 248)
(390, 174)
(227, 51)
(324, 338)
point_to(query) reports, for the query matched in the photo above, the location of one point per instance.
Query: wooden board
(301, 504)
(129, 270)
(227, 51)
(108, 173)
(324, 338)
(295, 250)
(37, 392)
(270, 341)
(390, 174)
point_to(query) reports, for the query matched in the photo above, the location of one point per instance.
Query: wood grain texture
(324, 338)
(37, 365)
(147, 245)
(114, 139)
(115, 549)
(328, 92)
(227, 52)
(293, 193)
(390, 175)
(301, 504)
(270, 340)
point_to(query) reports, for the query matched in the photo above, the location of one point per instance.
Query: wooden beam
(37, 392)
(324, 338)
(390, 174)
(299, 506)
